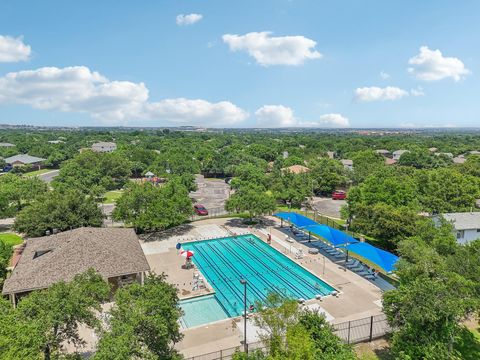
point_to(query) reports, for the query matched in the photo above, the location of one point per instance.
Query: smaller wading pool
(201, 310)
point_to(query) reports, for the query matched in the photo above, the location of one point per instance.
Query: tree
(5, 254)
(253, 199)
(17, 192)
(150, 208)
(61, 210)
(143, 323)
(327, 175)
(365, 163)
(45, 319)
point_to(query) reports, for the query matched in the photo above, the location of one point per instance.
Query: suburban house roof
(400, 152)
(50, 259)
(382, 151)
(475, 152)
(347, 162)
(297, 169)
(433, 149)
(6, 144)
(389, 161)
(24, 159)
(104, 144)
(464, 221)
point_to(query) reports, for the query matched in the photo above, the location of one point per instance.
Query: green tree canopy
(253, 199)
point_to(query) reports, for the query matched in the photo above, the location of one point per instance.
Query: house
(459, 159)
(389, 161)
(433, 149)
(347, 164)
(474, 152)
(6, 145)
(297, 169)
(450, 155)
(56, 141)
(397, 154)
(466, 225)
(383, 152)
(104, 147)
(114, 253)
(285, 154)
(331, 154)
(24, 159)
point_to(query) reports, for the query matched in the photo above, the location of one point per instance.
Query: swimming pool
(223, 262)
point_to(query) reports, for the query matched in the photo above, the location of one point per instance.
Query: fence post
(221, 354)
(371, 328)
(348, 339)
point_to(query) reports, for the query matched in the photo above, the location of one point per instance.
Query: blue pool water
(223, 262)
(201, 310)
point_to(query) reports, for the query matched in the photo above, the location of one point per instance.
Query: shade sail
(333, 236)
(383, 259)
(298, 220)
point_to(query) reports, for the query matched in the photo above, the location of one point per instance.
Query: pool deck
(358, 297)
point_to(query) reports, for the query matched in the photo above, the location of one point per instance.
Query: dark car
(200, 210)
(339, 195)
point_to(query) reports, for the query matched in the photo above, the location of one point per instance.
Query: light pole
(244, 283)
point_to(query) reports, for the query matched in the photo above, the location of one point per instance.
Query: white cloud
(384, 75)
(13, 49)
(274, 116)
(431, 65)
(189, 19)
(334, 120)
(417, 92)
(269, 50)
(78, 89)
(374, 93)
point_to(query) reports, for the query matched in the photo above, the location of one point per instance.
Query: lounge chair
(354, 264)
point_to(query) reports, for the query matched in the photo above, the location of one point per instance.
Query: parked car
(339, 195)
(8, 168)
(200, 210)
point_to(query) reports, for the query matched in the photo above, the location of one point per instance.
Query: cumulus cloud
(282, 116)
(374, 93)
(189, 19)
(276, 116)
(269, 50)
(431, 65)
(13, 49)
(78, 89)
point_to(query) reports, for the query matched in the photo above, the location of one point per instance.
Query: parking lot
(211, 193)
(327, 206)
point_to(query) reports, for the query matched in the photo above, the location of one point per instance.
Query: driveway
(327, 206)
(211, 193)
(49, 176)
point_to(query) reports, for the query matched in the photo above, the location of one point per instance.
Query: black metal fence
(351, 332)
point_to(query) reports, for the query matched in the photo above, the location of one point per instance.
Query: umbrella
(186, 253)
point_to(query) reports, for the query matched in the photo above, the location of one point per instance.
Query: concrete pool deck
(359, 298)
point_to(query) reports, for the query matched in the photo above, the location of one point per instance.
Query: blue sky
(248, 63)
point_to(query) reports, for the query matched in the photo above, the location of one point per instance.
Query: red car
(200, 210)
(339, 195)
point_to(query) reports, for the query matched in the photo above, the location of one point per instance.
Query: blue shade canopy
(383, 259)
(298, 220)
(333, 236)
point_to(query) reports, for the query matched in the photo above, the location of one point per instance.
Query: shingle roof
(297, 169)
(24, 158)
(464, 221)
(2, 144)
(347, 162)
(110, 251)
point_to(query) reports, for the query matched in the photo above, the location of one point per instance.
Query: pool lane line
(232, 290)
(297, 276)
(222, 258)
(296, 290)
(247, 266)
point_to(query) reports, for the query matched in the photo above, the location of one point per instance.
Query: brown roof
(50, 259)
(297, 169)
(389, 161)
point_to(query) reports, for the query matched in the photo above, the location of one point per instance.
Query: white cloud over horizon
(13, 49)
(269, 50)
(280, 116)
(78, 89)
(375, 93)
(431, 65)
(189, 19)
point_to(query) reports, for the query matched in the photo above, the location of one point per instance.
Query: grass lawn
(37, 172)
(110, 197)
(10, 239)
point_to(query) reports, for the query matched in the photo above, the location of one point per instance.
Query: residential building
(285, 154)
(104, 147)
(466, 225)
(459, 159)
(297, 169)
(398, 154)
(114, 253)
(24, 159)
(433, 149)
(7, 145)
(383, 152)
(450, 155)
(347, 164)
(389, 161)
(331, 154)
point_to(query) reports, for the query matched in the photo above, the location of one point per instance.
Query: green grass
(468, 344)
(10, 239)
(110, 197)
(37, 172)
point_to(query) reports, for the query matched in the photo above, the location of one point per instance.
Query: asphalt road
(327, 206)
(211, 193)
(49, 176)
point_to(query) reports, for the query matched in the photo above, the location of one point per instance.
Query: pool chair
(354, 265)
